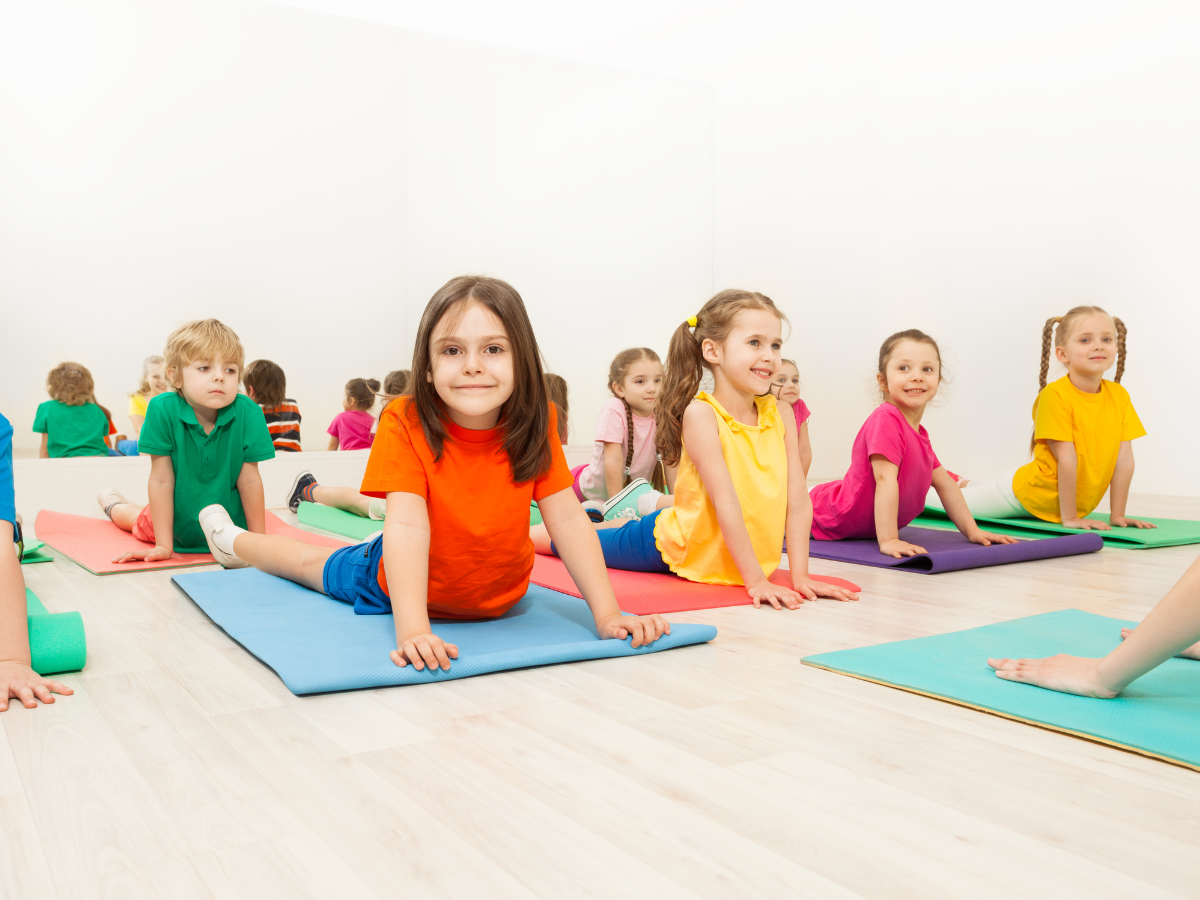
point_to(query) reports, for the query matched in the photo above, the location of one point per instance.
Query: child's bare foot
(1192, 652)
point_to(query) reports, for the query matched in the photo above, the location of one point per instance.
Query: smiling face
(157, 379)
(786, 385)
(1091, 347)
(640, 387)
(209, 383)
(472, 365)
(748, 357)
(913, 373)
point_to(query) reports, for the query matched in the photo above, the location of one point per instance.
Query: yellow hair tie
(692, 321)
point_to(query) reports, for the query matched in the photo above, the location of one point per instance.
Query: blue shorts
(351, 575)
(631, 547)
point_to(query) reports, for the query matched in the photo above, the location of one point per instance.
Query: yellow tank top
(688, 535)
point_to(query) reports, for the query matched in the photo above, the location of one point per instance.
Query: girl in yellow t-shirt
(740, 484)
(1083, 426)
(152, 384)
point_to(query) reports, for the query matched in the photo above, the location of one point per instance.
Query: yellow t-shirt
(138, 404)
(1096, 424)
(688, 534)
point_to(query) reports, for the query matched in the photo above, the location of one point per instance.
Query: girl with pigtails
(740, 485)
(1082, 432)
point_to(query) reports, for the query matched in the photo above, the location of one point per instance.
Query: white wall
(311, 180)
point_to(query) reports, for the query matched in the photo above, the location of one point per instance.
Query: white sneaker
(376, 508)
(213, 520)
(108, 498)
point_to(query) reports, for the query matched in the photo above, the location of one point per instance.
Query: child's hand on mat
(1068, 674)
(19, 682)
(987, 538)
(811, 590)
(421, 650)
(1126, 522)
(643, 629)
(1192, 652)
(1085, 524)
(775, 594)
(154, 554)
(899, 549)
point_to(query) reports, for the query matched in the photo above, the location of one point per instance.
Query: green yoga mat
(34, 553)
(56, 640)
(1169, 533)
(1158, 715)
(338, 521)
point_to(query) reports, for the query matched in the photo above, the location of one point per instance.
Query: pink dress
(846, 509)
(803, 414)
(352, 428)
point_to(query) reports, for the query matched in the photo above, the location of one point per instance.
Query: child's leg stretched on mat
(348, 499)
(1172, 628)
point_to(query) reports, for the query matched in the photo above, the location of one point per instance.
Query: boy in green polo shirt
(205, 442)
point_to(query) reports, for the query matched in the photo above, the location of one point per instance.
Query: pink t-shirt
(612, 427)
(800, 408)
(846, 509)
(352, 428)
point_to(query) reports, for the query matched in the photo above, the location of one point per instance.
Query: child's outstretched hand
(1086, 524)
(1067, 674)
(643, 629)
(154, 554)
(899, 549)
(987, 538)
(421, 650)
(1126, 522)
(811, 590)
(775, 594)
(19, 682)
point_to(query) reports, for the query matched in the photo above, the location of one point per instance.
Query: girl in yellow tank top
(740, 485)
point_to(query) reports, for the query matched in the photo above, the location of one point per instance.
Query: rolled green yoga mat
(34, 553)
(56, 640)
(347, 524)
(535, 514)
(1169, 533)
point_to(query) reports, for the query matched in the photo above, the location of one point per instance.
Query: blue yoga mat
(317, 644)
(1158, 715)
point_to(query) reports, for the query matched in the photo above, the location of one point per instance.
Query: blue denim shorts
(631, 547)
(351, 575)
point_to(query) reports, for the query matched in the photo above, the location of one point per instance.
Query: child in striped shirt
(266, 385)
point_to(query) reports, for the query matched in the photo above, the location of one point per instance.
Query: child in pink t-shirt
(624, 469)
(787, 387)
(892, 463)
(351, 430)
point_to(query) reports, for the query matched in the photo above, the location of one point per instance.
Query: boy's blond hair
(201, 339)
(71, 383)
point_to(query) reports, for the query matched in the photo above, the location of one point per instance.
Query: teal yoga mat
(1169, 533)
(337, 521)
(56, 640)
(1158, 715)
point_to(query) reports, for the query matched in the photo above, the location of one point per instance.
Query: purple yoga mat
(950, 551)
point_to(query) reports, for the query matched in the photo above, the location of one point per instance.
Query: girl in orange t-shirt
(458, 460)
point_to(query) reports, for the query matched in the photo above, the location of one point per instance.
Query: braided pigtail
(1047, 334)
(1121, 331)
(681, 379)
(628, 440)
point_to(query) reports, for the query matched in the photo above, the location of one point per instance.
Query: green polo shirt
(72, 430)
(206, 465)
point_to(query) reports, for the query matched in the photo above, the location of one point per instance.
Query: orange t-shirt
(480, 554)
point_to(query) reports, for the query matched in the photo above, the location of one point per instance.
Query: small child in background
(152, 384)
(18, 681)
(266, 385)
(787, 387)
(351, 429)
(205, 442)
(395, 384)
(556, 387)
(892, 463)
(72, 423)
(1082, 433)
(624, 477)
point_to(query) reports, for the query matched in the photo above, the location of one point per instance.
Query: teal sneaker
(628, 498)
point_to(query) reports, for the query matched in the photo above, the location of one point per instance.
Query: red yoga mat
(95, 543)
(644, 593)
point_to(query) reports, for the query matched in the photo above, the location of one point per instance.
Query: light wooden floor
(183, 768)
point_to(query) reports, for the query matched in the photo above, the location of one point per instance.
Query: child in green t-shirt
(205, 441)
(72, 423)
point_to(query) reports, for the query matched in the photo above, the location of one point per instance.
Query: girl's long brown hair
(616, 375)
(1060, 328)
(526, 414)
(685, 363)
(556, 388)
